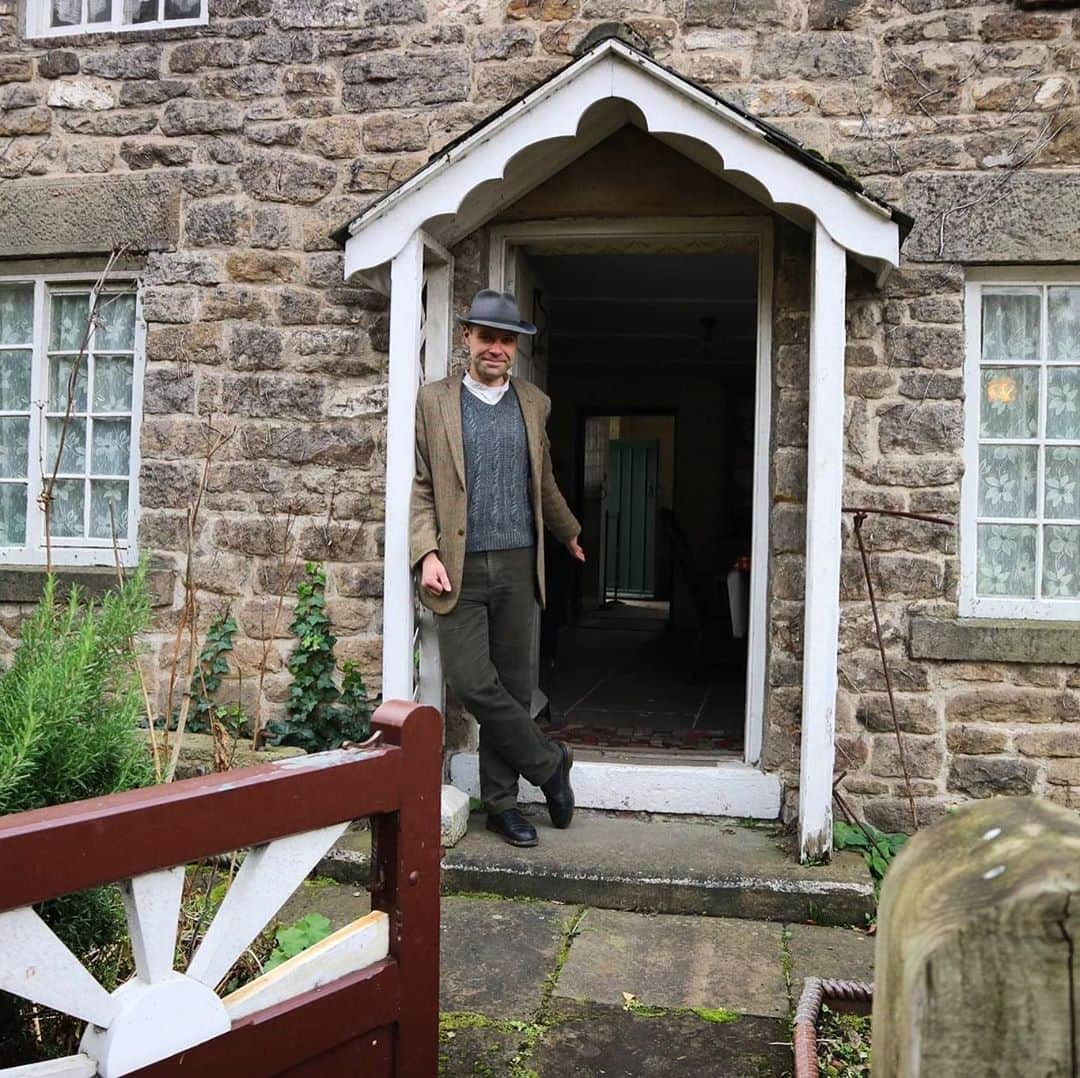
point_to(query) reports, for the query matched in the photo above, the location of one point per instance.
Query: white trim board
(701, 233)
(727, 789)
(470, 182)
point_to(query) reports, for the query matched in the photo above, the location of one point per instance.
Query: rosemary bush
(69, 707)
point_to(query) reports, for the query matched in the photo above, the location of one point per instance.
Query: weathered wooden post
(977, 971)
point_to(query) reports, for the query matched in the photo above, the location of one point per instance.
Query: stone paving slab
(484, 1052)
(592, 1040)
(844, 954)
(497, 954)
(669, 960)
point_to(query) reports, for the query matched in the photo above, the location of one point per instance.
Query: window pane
(60, 368)
(1064, 308)
(14, 446)
(116, 329)
(1007, 480)
(1062, 476)
(73, 459)
(66, 12)
(112, 447)
(181, 9)
(1009, 403)
(1011, 326)
(1061, 562)
(17, 314)
(106, 494)
(140, 10)
(112, 384)
(12, 514)
(1063, 402)
(1006, 560)
(68, 321)
(69, 499)
(99, 10)
(15, 381)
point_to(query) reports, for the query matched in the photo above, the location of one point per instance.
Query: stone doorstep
(714, 867)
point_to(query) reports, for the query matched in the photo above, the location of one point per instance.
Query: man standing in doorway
(482, 495)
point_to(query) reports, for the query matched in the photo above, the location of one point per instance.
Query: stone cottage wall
(230, 152)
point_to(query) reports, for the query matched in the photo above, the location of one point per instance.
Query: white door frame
(690, 233)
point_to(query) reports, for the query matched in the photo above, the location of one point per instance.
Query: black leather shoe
(560, 797)
(513, 827)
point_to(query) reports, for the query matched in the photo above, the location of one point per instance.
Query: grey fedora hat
(498, 310)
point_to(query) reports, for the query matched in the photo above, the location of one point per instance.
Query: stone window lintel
(25, 584)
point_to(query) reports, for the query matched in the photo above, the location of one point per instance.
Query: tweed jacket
(439, 505)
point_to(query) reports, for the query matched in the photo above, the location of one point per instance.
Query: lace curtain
(1028, 537)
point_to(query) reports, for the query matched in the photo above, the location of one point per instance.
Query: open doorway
(650, 360)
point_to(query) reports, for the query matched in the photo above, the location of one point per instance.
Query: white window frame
(75, 551)
(38, 13)
(971, 604)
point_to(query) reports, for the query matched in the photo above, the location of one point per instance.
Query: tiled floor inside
(621, 680)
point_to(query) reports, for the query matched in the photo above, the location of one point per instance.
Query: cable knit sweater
(500, 513)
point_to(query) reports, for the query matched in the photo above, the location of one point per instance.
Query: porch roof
(531, 138)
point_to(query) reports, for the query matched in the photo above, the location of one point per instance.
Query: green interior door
(630, 557)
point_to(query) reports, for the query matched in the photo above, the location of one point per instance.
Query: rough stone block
(188, 117)
(26, 121)
(925, 757)
(925, 427)
(1063, 772)
(190, 56)
(288, 178)
(376, 82)
(813, 56)
(934, 347)
(1049, 742)
(454, 815)
(985, 776)
(977, 740)
(221, 223)
(127, 62)
(1007, 703)
(69, 216)
(302, 14)
(915, 714)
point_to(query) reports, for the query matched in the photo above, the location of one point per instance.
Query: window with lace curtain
(51, 351)
(1020, 527)
(54, 18)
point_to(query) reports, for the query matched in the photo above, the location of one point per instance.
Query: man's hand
(575, 549)
(433, 575)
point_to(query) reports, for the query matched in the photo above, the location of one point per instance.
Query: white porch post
(824, 489)
(437, 330)
(406, 279)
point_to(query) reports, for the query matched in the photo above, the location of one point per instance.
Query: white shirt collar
(488, 394)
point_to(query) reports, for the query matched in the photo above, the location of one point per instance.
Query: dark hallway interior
(649, 360)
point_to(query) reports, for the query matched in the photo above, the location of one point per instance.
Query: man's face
(491, 352)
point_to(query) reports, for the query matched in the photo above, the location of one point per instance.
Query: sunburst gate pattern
(160, 1011)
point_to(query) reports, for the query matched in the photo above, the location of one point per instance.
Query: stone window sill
(994, 640)
(26, 585)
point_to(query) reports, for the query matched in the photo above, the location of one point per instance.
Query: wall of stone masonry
(242, 144)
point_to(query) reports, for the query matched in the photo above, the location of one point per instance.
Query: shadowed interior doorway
(650, 363)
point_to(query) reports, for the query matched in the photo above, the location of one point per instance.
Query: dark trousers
(486, 647)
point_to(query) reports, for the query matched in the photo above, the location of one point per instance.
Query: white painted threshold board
(731, 788)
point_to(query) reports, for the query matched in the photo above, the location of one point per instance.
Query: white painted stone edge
(729, 789)
(455, 816)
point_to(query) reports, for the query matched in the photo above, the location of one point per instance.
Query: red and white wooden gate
(363, 1001)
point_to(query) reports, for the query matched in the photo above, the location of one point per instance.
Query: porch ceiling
(531, 139)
